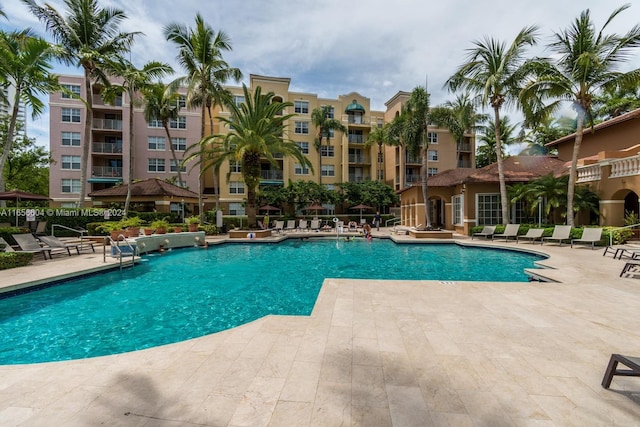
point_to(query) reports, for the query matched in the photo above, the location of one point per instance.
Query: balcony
(359, 158)
(107, 124)
(589, 173)
(464, 147)
(106, 171)
(412, 159)
(358, 178)
(271, 175)
(99, 102)
(464, 163)
(411, 179)
(356, 139)
(625, 167)
(355, 120)
(106, 147)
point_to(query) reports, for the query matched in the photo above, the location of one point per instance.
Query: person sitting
(367, 231)
(353, 226)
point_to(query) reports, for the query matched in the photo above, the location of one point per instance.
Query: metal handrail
(393, 221)
(115, 244)
(75, 230)
(620, 228)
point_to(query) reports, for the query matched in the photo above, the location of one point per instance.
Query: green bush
(14, 259)
(209, 229)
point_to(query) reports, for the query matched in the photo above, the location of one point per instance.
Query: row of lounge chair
(45, 245)
(303, 225)
(561, 233)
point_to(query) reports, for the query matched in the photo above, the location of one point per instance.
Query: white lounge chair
(487, 231)
(302, 225)
(315, 225)
(291, 225)
(560, 233)
(590, 236)
(279, 226)
(532, 235)
(510, 230)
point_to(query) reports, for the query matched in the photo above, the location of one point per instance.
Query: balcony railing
(272, 175)
(356, 120)
(107, 147)
(104, 171)
(98, 101)
(356, 139)
(625, 167)
(412, 159)
(464, 163)
(359, 158)
(464, 147)
(358, 178)
(107, 124)
(589, 173)
(410, 179)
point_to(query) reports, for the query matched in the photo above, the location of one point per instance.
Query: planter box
(242, 234)
(443, 234)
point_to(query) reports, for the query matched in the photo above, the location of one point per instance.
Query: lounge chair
(302, 225)
(487, 231)
(629, 267)
(291, 225)
(532, 235)
(590, 236)
(41, 228)
(315, 225)
(511, 230)
(4, 246)
(625, 251)
(560, 233)
(28, 243)
(279, 226)
(633, 363)
(54, 242)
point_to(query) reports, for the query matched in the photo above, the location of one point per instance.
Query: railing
(625, 167)
(589, 173)
(464, 147)
(412, 159)
(392, 221)
(359, 158)
(464, 163)
(619, 228)
(358, 178)
(109, 171)
(115, 246)
(107, 124)
(98, 101)
(356, 120)
(272, 174)
(356, 139)
(410, 179)
(107, 147)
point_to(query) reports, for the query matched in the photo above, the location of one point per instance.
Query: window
(432, 171)
(236, 209)
(71, 139)
(155, 123)
(182, 101)
(301, 107)
(236, 187)
(71, 115)
(156, 165)
(298, 169)
(432, 155)
(489, 211)
(432, 137)
(328, 133)
(302, 128)
(235, 166)
(327, 151)
(71, 186)
(156, 143)
(180, 123)
(173, 168)
(179, 144)
(328, 170)
(304, 147)
(456, 210)
(238, 100)
(380, 123)
(330, 113)
(74, 89)
(71, 162)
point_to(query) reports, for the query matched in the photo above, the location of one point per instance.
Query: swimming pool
(188, 293)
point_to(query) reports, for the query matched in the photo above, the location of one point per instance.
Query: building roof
(634, 114)
(354, 106)
(147, 187)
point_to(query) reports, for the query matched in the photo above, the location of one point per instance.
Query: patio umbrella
(361, 207)
(268, 208)
(314, 207)
(18, 195)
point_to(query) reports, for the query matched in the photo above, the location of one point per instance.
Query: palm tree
(615, 102)
(88, 36)
(488, 152)
(587, 63)
(25, 65)
(322, 118)
(380, 137)
(495, 72)
(200, 54)
(459, 117)
(161, 103)
(255, 132)
(134, 80)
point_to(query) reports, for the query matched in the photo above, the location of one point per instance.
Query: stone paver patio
(373, 353)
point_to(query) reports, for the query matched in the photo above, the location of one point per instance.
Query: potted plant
(160, 226)
(177, 229)
(131, 226)
(192, 222)
(113, 228)
(148, 231)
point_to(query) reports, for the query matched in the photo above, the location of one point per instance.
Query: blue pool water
(188, 293)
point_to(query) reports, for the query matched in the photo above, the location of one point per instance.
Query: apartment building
(345, 157)
(110, 143)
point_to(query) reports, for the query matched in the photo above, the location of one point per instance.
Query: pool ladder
(116, 244)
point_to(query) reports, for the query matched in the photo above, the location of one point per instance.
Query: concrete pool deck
(373, 353)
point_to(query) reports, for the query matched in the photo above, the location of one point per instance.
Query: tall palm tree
(134, 80)
(25, 65)
(255, 132)
(322, 119)
(496, 72)
(587, 64)
(488, 152)
(200, 54)
(459, 117)
(88, 36)
(380, 137)
(161, 103)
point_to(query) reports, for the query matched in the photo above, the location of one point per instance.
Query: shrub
(14, 259)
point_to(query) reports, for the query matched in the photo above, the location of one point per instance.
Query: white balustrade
(589, 173)
(625, 167)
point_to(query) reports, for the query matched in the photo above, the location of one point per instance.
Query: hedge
(14, 259)
(620, 236)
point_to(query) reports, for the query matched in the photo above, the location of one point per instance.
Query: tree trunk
(215, 172)
(425, 187)
(127, 201)
(574, 164)
(9, 142)
(320, 160)
(503, 186)
(173, 153)
(88, 123)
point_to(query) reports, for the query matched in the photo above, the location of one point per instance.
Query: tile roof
(146, 187)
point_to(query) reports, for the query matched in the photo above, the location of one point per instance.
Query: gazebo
(152, 194)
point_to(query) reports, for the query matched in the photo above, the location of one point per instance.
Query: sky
(334, 47)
